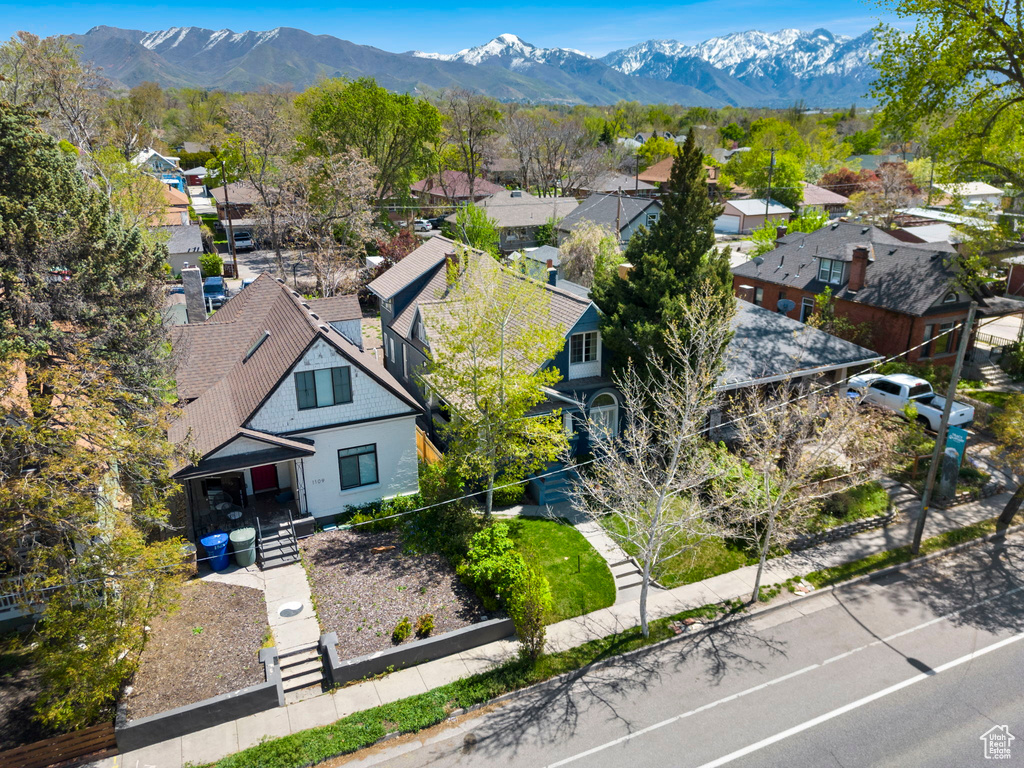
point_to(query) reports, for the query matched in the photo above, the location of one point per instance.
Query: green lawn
(998, 399)
(857, 503)
(579, 577)
(711, 557)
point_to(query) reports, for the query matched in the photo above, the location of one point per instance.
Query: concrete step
(279, 561)
(302, 680)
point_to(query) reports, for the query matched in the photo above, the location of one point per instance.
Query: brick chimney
(858, 268)
(195, 302)
(780, 232)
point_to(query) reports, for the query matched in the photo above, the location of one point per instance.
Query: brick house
(908, 292)
(284, 414)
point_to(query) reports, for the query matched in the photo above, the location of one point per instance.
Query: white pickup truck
(896, 391)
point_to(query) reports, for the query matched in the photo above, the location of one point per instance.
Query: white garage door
(730, 224)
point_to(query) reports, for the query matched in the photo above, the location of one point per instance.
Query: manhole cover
(290, 609)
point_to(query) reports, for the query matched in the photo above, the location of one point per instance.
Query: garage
(728, 224)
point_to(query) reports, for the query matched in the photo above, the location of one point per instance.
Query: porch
(261, 498)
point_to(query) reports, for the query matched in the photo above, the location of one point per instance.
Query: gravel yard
(209, 646)
(362, 594)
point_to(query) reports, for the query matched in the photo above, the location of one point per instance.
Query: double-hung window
(583, 348)
(358, 466)
(318, 389)
(830, 271)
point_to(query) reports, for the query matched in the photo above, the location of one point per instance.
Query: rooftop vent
(517, 193)
(325, 328)
(257, 345)
(280, 280)
(314, 315)
(296, 294)
(305, 305)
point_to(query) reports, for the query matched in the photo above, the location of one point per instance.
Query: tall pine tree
(670, 262)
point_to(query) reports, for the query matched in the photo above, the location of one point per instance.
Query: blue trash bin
(216, 546)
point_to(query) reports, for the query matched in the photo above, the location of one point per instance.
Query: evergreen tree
(671, 262)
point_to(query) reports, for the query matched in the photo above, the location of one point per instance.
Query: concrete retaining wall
(340, 672)
(135, 734)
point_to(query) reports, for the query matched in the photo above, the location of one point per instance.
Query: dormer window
(830, 271)
(950, 298)
(583, 348)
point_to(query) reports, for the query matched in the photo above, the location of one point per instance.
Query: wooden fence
(97, 741)
(425, 449)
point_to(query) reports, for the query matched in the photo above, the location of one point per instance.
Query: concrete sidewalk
(214, 743)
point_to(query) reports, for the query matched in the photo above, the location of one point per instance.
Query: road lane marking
(635, 734)
(859, 703)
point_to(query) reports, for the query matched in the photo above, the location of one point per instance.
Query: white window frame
(391, 349)
(595, 347)
(828, 267)
(597, 413)
(806, 308)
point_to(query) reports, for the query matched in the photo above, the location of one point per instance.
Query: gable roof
(768, 345)
(455, 184)
(514, 208)
(815, 195)
(755, 206)
(412, 267)
(239, 192)
(604, 209)
(336, 309)
(610, 182)
(970, 189)
(183, 238)
(148, 153)
(906, 278)
(223, 388)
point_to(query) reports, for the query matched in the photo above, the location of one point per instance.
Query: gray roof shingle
(513, 208)
(604, 209)
(412, 267)
(182, 238)
(907, 278)
(768, 345)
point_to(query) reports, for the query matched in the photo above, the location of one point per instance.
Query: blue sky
(593, 26)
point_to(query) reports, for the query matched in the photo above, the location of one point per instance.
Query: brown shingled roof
(223, 388)
(337, 308)
(412, 267)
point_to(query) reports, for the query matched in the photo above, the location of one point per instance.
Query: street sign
(956, 438)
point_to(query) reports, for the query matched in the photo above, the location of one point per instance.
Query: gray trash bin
(243, 543)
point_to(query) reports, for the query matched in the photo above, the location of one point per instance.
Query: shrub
(382, 511)
(837, 505)
(1013, 360)
(528, 605)
(972, 477)
(493, 566)
(425, 625)
(211, 264)
(513, 494)
(402, 630)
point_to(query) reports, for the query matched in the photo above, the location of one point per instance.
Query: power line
(811, 392)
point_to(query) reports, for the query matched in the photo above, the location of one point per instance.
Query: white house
(163, 167)
(974, 193)
(742, 216)
(285, 416)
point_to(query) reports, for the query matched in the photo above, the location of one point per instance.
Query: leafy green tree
(826, 153)
(732, 132)
(476, 229)
(672, 261)
(136, 195)
(84, 459)
(957, 77)
(489, 343)
(865, 142)
(824, 318)
(750, 170)
(655, 149)
(393, 131)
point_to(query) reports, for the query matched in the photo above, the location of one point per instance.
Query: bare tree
(803, 444)
(523, 135)
(470, 120)
(48, 73)
(326, 204)
(655, 476)
(890, 189)
(265, 127)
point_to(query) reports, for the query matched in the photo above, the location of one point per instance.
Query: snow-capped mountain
(786, 58)
(509, 51)
(743, 69)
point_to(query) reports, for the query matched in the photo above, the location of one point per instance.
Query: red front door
(264, 478)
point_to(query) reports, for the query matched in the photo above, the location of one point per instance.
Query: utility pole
(931, 179)
(940, 438)
(227, 210)
(768, 197)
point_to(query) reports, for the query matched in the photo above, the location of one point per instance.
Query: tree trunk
(1007, 515)
(643, 597)
(490, 497)
(769, 532)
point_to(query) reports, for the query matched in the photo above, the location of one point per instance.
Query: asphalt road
(910, 670)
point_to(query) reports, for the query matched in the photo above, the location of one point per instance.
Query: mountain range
(742, 69)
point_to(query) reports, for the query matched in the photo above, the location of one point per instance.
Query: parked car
(215, 292)
(247, 282)
(437, 222)
(422, 225)
(896, 391)
(243, 240)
